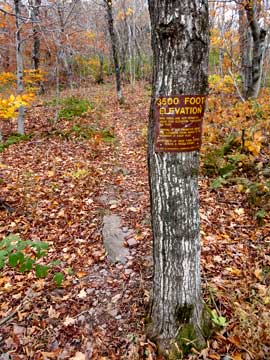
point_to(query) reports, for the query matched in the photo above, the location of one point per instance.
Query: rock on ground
(113, 239)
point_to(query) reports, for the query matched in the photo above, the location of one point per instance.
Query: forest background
(67, 138)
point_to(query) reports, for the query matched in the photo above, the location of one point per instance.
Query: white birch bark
(19, 58)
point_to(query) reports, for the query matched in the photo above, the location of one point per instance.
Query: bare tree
(115, 51)
(19, 57)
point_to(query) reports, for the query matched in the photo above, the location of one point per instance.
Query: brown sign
(178, 123)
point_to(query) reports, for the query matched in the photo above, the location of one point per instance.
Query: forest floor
(60, 183)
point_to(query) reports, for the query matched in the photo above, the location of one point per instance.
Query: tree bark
(36, 33)
(258, 37)
(35, 10)
(245, 43)
(19, 58)
(180, 38)
(108, 4)
(252, 48)
(100, 76)
(63, 52)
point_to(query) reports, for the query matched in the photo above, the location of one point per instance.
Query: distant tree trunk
(57, 87)
(221, 50)
(19, 58)
(245, 42)
(63, 52)
(6, 62)
(36, 34)
(108, 4)
(124, 43)
(130, 55)
(252, 49)
(180, 37)
(100, 76)
(36, 39)
(139, 61)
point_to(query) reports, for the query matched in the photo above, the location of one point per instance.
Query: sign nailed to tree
(178, 123)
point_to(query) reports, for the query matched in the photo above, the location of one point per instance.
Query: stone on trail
(113, 239)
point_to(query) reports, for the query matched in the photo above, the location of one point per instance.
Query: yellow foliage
(9, 106)
(252, 147)
(219, 84)
(90, 35)
(94, 65)
(254, 142)
(122, 15)
(32, 77)
(7, 78)
(215, 39)
(130, 11)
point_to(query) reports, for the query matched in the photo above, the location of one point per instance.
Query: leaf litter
(60, 186)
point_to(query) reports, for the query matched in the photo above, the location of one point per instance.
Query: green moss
(190, 336)
(207, 326)
(186, 339)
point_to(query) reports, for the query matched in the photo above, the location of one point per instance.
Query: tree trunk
(35, 4)
(114, 50)
(63, 52)
(258, 37)
(180, 37)
(245, 42)
(252, 48)
(36, 36)
(19, 58)
(100, 76)
(139, 64)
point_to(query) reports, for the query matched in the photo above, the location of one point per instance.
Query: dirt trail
(60, 189)
(60, 184)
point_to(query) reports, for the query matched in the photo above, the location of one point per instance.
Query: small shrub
(260, 215)
(215, 162)
(107, 135)
(13, 139)
(23, 255)
(258, 192)
(73, 106)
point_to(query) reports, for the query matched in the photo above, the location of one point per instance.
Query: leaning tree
(180, 42)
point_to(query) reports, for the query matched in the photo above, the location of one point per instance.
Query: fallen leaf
(69, 321)
(132, 209)
(237, 356)
(82, 294)
(18, 330)
(234, 271)
(50, 355)
(116, 298)
(235, 340)
(78, 356)
(239, 211)
(214, 356)
(52, 313)
(81, 274)
(259, 274)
